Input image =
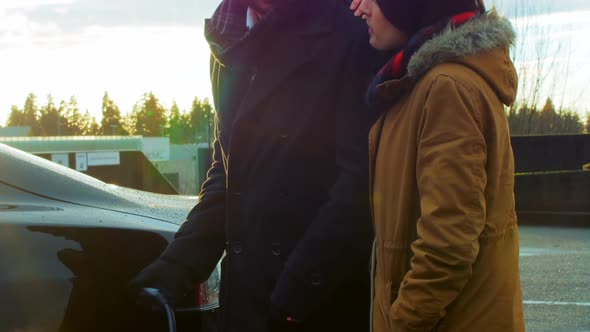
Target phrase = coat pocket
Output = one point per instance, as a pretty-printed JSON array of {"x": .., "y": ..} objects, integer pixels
[
  {"x": 393, "y": 262},
  {"x": 381, "y": 316}
]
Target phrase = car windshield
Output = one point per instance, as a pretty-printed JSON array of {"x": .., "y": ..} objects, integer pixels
[{"x": 112, "y": 100}]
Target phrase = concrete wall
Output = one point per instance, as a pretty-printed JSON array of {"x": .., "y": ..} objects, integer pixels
[
  {"x": 561, "y": 198},
  {"x": 551, "y": 153},
  {"x": 187, "y": 168},
  {"x": 550, "y": 186},
  {"x": 186, "y": 175}
]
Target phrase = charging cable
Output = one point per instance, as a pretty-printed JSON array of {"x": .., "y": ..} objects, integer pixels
[{"x": 157, "y": 298}]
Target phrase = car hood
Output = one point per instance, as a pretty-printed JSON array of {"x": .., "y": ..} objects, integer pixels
[{"x": 41, "y": 177}]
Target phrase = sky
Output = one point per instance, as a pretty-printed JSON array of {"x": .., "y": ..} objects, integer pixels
[{"x": 83, "y": 48}]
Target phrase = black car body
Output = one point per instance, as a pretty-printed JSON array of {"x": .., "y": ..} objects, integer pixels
[{"x": 69, "y": 245}]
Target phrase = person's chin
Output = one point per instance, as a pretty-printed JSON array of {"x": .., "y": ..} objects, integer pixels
[{"x": 375, "y": 44}]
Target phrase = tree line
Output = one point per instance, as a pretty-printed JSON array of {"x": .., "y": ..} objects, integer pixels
[
  {"x": 148, "y": 118},
  {"x": 526, "y": 120},
  {"x": 543, "y": 75}
]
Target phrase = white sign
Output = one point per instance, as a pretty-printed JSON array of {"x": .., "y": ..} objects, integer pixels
[
  {"x": 61, "y": 158},
  {"x": 104, "y": 158},
  {"x": 81, "y": 162}
]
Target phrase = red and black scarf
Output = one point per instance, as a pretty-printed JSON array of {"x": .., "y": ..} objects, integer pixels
[{"x": 397, "y": 67}]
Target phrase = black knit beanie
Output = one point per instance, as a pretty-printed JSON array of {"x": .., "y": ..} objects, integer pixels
[{"x": 412, "y": 15}]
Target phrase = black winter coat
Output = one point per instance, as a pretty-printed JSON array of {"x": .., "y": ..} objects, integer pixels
[{"x": 287, "y": 195}]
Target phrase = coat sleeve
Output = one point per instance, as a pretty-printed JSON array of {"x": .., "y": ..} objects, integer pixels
[
  {"x": 451, "y": 178},
  {"x": 199, "y": 243},
  {"x": 339, "y": 238}
]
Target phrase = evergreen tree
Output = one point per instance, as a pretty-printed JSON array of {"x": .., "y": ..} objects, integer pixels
[
  {"x": 521, "y": 120},
  {"x": 128, "y": 121},
  {"x": 90, "y": 125},
  {"x": 73, "y": 118},
  {"x": 111, "y": 123},
  {"x": 529, "y": 121},
  {"x": 202, "y": 120},
  {"x": 31, "y": 115},
  {"x": 16, "y": 117},
  {"x": 179, "y": 130},
  {"x": 570, "y": 123},
  {"x": 65, "y": 125},
  {"x": 50, "y": 120},
  {"x": 150, "y": 119},
  {"x": 547, "y": 121}
]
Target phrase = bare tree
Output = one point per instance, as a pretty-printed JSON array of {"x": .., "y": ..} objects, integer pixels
[{"x": 540, "y": 55}]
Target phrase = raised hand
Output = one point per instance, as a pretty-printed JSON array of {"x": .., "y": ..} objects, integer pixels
[{"x": 354, "y": 6}]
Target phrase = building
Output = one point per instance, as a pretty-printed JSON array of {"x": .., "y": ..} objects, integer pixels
[
  {"x": 145, "y": 163},
  {"x": 126, "y": 161},
  {"x": 15, "y": 131}
]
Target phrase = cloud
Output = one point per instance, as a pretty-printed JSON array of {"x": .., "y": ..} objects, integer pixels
[
  {"x": 58, "y": 23},
  {"x": 85, "y": 47},
  {"x": 18, "y": 31},
  {"x": 125, "y": 61},
  {"x": 75, "y": 15},
  {"x": 519, "y": 8},
  {"x": 29, "y": 4},
  {"x": 559, "y": 40}
]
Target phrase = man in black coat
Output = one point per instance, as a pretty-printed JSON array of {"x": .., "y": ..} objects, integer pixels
[{"x": 287, "y": 195}]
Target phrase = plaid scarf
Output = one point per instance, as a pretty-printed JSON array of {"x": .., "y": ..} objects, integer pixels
[
  {"x": 227, "y": 28},
  {"x": 227, "y": 25},
  {"x": 397, "y": 67}
]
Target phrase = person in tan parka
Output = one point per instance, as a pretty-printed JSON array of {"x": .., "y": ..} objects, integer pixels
[{"x": 442, "y": 168}]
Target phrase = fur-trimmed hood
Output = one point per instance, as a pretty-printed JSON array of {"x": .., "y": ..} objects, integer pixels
[
  {"x": 482, "y": 45},
  {"x": 479, "y": 35}
]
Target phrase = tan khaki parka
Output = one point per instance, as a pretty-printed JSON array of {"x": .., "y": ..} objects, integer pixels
[{"x": 442, "y": 174}]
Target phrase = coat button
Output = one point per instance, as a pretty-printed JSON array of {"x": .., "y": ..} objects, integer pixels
[
  {"x": 236, "y": 247},
  {"x": 276, "y": 249},
  {"x": 315, "y": 280}
]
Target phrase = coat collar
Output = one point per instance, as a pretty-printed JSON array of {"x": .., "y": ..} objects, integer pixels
[
  {"x": 290, "y": 41},
  {"x": 289, "y": 17}
]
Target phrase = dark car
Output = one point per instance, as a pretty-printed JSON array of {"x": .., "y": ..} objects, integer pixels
[{"x": 70, "y": 244}]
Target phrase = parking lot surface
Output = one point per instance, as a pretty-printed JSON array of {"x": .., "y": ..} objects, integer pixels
[{"x": 555, "y": 272}]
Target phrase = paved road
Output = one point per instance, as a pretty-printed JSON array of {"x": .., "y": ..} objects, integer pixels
[{"x": 555, "y": 272}]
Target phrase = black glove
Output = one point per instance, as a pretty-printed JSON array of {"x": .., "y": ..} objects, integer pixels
[
  {"x": 173, "y": 281},
  {"x": 278, "y": 321},
  {"x": 283, "y": 326}
]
